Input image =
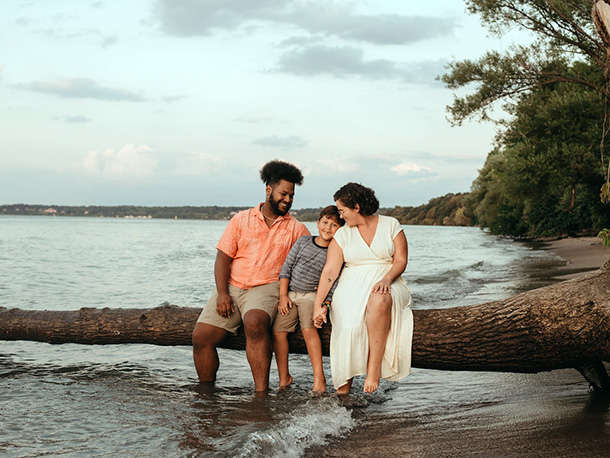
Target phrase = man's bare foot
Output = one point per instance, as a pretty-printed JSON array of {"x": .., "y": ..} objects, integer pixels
[
  {"x": 285, "y": 383},
  {"x": 371, "y": 383},
  {"x": 319, "y": 385}
]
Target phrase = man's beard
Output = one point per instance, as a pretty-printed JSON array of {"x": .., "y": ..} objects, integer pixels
[{"x": 275, "y": 206}]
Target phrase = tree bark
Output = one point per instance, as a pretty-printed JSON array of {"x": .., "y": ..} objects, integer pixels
[{"x": 559, "y": 326}]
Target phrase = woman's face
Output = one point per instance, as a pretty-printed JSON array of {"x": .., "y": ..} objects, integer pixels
[{"x": 349, "y": 215}]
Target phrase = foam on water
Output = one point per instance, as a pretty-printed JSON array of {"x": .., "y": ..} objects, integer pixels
[{"x": 315, "y": 423}]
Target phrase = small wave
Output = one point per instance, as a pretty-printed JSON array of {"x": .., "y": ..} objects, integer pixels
[{"x": 314, "y": 424}]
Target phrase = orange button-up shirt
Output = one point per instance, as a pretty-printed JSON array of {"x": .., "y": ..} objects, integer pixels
[{"x": 258, "y": 251}]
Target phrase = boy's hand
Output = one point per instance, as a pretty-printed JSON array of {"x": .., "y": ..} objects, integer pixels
[
  {"x": 284, "y": 305},
  {"x": 319, "y": 316}
]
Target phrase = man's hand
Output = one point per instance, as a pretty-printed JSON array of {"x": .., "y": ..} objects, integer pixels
[
  {"x": 224, "y": 305},
  {"x": 319, "y": 316},
  {"x": 284, "y": 306}
]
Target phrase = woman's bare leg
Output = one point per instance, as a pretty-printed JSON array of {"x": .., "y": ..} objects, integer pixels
[
  {"x": 314, "y": 348},
  {"x": 280, "y": 347},
  {"x": 345, "y": 389},
  {"x": 378, "y": 323}
]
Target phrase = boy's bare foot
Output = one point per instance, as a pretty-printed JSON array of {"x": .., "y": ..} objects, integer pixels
[
  {"x": 285, "y": 383},
  {"x": 319, "y": 385},
  {"x": 371, "y": 383}
]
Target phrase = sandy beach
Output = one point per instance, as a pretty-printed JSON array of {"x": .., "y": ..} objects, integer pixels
[{"x": 582, "y": 254}]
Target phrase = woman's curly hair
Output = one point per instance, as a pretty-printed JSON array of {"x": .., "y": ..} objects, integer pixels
[
  {"x": 354, "y": 193},
  {"x": 275, "y": 171}
]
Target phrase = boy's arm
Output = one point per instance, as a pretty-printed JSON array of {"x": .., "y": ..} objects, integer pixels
[
  {"x": 285, "y": 302},
  {"x": 334, "y": 262},
  {"x": 285, "y": 275},
  {"x": 290, "y": 260}
]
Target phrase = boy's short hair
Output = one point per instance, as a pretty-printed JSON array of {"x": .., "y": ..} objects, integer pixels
[
  {"x": 332, "y": 212},
  {"x": 275, "y": 171}
]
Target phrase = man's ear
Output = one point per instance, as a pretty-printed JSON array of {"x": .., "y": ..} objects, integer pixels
[
  {"x": 357, "y": 208},
  {"x": 268, "y": 190}
]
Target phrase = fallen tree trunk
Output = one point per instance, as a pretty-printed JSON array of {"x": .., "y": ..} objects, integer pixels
[{"x": 559, "y": 326}]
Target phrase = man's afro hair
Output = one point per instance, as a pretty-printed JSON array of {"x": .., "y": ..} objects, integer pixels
[{"x": 275, "y": 171}]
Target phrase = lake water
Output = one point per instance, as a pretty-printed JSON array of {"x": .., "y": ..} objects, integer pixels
[{"x": 143, "y": 400}]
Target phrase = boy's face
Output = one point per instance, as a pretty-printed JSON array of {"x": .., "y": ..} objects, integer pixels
[{"x": 327, "y": 228}]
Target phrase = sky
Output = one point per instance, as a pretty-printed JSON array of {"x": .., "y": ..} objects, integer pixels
[{"x": 181, "y": 102}]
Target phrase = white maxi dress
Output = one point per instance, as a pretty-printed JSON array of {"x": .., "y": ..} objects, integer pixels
[{"x": 364, "y": 266}]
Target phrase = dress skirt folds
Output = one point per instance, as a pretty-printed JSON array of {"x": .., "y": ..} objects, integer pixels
[{"x": 364, "y": 266}]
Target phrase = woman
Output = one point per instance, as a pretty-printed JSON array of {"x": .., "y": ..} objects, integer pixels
[{"x": 372, "y": 322}]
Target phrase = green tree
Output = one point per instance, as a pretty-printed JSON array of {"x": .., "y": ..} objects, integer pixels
[
  {"x": 546, "y": 167},
  {"x": 562, "y": 32},
  {"x": 554, "y": 92}
]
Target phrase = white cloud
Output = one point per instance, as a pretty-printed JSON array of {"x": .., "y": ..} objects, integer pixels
[
  {"x": 341, "y": 61},
  {"x": 333, "y": 165},
  {"x": 81, "y": 88},
  {"x": 406, "y": 168},
  {"x": 194, "y": 17},
  {"x": 275, "y": 141},
  {"x": 73, "y": 119},
  {"x": 203, "y": 164},
  {"x": 130, "y": 162}
]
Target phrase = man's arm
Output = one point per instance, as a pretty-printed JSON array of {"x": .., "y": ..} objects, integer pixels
[{"x": 222, "y": 269}]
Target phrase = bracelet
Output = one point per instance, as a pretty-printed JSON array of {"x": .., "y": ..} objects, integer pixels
[{"x": 326, "y": 304}]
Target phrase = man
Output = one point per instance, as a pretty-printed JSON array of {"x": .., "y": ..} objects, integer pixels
[{"x": 250, "y": 255}]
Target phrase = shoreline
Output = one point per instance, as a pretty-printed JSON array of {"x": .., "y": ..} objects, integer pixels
[{"x": 581, "y": 254}]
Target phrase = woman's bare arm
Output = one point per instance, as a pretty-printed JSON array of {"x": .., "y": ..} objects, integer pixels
[{"x": 399, "y": 264}]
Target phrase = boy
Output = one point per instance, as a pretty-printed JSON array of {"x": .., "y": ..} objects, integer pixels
[{"x": 299, "y": 279}]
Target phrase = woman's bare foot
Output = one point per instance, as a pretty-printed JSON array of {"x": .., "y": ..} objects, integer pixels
[
  {"x": 285, "y": 383},
  {"x": 319, "y": 385},
  {"x": 345, "y": 389},
  {"x": 371, "y": 383}
]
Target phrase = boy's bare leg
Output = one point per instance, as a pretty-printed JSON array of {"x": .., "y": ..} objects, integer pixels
[
  {"x": 314, "y": 348},
  {"x": 206, "y": 338},
  {"x": 378, "y": 327},
  {"x": 258, "y": 347},
  {"x": 281, "y": 349}
]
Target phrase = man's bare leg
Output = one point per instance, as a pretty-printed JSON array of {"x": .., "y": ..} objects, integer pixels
[
  {"x": 314, "y": 348},
  {"x": 258, "y": 347},
  {"x": 281, "y": 350},
  {"x": 206, "y": 338},
  {"x": 378, "y": 322}
]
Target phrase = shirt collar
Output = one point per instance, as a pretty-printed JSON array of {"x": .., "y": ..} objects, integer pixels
[{"x": 259, "y": 214}]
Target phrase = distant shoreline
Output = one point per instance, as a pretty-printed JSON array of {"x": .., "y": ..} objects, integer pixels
[{"x": 212, "y": 212}]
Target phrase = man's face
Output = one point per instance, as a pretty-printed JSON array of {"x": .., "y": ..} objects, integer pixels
[{"x": 280, "y": 197}]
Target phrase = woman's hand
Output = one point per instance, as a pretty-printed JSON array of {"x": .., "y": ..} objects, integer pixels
[
  {"x": 319, "y": 316},
  {"x": 284, "y": 306},
  {"x": 383, "y": 286}
]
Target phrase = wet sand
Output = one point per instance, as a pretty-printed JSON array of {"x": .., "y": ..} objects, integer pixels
[{"x": 581, "y": 254}]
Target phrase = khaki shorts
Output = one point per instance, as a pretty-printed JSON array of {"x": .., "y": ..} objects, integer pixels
[
  {"x": 301, "y": 311},
  {"x": 263, "y": 297}
]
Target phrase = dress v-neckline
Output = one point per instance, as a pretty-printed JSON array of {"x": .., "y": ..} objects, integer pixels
[{"x": 374, "y": 235}]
